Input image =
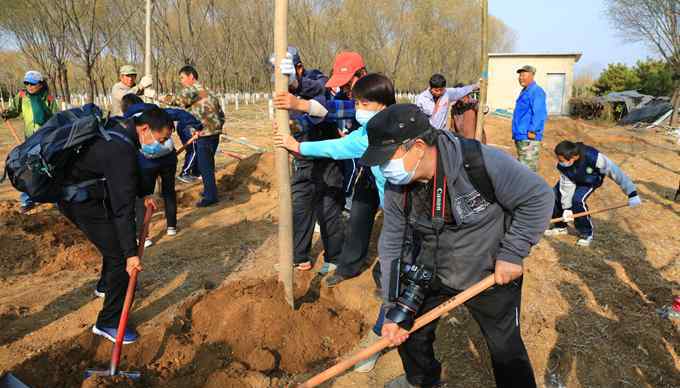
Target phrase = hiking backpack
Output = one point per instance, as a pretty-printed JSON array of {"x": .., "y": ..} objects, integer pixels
[{"x": 39, "y": 165}]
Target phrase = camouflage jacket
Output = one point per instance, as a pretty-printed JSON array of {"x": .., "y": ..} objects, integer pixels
[{"x": 203, "y": 104}]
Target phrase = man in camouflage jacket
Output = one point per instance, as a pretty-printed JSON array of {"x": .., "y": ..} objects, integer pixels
[{"x": 205, "y": 106}]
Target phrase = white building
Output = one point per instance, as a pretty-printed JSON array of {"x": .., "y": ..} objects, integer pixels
[{"x": 554, "y": 73}]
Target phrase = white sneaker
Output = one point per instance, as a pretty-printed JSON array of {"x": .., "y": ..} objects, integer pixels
[
  {"x": 555, "y": 231},
  {"x": 585, "y": 241},
  {"x": 368, "y": 364},
  {"x": 171, "y": 231},
  {"x": 148, "y": 243}
]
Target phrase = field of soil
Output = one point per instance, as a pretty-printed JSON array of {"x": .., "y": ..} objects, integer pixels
[{"x": 211, "y": 314}]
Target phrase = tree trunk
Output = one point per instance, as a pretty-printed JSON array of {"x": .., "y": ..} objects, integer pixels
[
  {"x": 64, "y": 80},
  {"x": 675, "y": 117},
  {"x": 92, "y": 86}
]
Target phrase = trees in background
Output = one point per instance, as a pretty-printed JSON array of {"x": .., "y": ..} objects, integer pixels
[
  {"x": 80, "y": 44},
  {"x": 657, "y": 24},
  {"x": 653, "y": 77}
]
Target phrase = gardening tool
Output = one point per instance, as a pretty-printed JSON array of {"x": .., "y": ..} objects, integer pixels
[
  {"x": 10, "y": 381},
  {"x": 233, "y": 155},
  {"x": 430, "y": 316},
  {"x": 591, "y": 212},
  {"x": 129, "y": 296},
  {"x": 184, "y": 146},
  {"x": 13, "y": 130},
  {"x": 245, "y": 142}
]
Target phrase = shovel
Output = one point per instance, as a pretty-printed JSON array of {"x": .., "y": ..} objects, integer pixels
[
  {"x": 430, "y": 316},
  {"x": 129, "y": 296},
  {"x": 588, "y": 213}
]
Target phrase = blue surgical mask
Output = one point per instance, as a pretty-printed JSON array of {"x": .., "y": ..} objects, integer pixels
[
  {"x": 566, "y": 164},
  {"x": 364, "y": 116},
  {"x": 152, "y": 149},
  {"x": 395, "y": 172}
]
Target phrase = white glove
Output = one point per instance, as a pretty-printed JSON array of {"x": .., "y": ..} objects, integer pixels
[
  {"x": 287, "y": 68},
  {"x": 150, "y": 93},
  {"x": 567, "y": 216},
  {"x": 146, "y": 81},
  {"x": 634, "y": 201}
]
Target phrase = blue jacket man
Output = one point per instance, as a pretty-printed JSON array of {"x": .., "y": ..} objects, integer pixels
[{"x": 528, "y": 119}]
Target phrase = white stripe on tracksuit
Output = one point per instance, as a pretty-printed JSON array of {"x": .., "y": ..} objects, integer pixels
[{"x": 191, "y": 161}]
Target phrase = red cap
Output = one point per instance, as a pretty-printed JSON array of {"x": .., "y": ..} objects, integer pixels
[{"x": 346, "y": 64}]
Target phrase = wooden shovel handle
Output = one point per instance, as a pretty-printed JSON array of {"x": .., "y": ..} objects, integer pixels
[{"x": 591, "y": 212}]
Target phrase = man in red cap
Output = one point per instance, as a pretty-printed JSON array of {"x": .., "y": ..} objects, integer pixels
[{"x": 347, "y": 69}]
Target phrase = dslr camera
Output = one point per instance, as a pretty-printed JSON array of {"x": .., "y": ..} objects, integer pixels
[{"x": 416, "y": 280}]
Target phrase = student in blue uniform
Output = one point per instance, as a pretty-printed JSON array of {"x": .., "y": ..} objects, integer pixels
[{"x": 582, "y": 171}]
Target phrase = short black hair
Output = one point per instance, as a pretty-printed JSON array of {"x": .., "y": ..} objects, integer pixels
[
  {"x": 437, "y": 81},
  {"x": 189, "y": 70},
  {"x": 459, "y": 85},
  {"x": 156, "y": 118},
  {"x": 375, "y": 87},
  {"x": 567, "y": 149},
  {"x": 128, "y": 100}
]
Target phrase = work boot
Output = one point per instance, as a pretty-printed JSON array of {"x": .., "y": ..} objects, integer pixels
[
  {"x": 368, "y": 364},
  {"x": 556, "y": 231},
  {"x": 401, "y": 382},
  {"x": 334, "y": 280},
  {"x": 110, "y": 334}
]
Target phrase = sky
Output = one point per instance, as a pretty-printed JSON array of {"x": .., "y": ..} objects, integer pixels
[{"x": 571, "y": 26}]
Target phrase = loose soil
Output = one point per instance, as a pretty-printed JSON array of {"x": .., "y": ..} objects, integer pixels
[{"x": 211, "y": 314}]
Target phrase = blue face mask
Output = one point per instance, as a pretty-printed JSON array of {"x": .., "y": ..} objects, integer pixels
[
  {"x": 364, "y": 116},
  {"x": 395, "y": 172},
  {"x": 152, "y": 148},
  {"x": 566, "y": 164}
]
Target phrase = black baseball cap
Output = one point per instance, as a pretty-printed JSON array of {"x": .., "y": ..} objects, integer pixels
[{"x": 390, "y": 128}]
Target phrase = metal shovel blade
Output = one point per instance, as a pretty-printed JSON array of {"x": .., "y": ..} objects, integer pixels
[
  {"x": 96, "y": 372},
  {"x": 10, "y": 381}
]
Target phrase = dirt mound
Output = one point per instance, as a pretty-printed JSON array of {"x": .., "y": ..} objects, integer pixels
[
  {"x": 240, "y": 335},
  {"x": 42, "y": 241},
  {"x": 251, "y": 175}
]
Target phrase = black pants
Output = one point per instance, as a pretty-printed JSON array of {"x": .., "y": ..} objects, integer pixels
[
  {"x": 148, "y": 182},
  {"x": 318, "y": 195},
  {"x": 92, "y": 219},
  {"x": 206, "y": 147},
  {"x": 497, "y": 313},
  {"x": 365, "y": 203}
]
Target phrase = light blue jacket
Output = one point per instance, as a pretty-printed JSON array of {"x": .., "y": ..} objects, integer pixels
[
  {"x": 530, "y": 113},
  {"x": 351, "y": 146}
]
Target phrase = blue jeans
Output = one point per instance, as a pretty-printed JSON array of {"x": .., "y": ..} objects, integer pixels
[
  {"x": 206, "y": 147},
  {"x": 25, "y": 199}
]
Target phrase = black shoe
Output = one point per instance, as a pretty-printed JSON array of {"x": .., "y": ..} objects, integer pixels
[
  {"x": 27, "y": 207},
  {"x": 334, "y": 280},
  {"x": 204, "y": 203}
]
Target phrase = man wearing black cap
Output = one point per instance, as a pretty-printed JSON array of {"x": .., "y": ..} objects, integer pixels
[{"x": 455, "y": 212}]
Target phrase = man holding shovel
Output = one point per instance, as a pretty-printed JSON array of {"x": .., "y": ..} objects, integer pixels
[{"x": 455, "y": 212}]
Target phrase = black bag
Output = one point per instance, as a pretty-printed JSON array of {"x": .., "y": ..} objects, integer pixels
[{"x": 38, "y": 166}]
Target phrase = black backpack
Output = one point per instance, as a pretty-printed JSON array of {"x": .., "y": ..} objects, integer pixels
[
  {"x": 473, "y": 162},
  {"x": 39, "y": 165}
]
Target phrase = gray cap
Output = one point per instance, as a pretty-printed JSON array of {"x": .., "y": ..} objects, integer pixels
[
  {"x": 528, "y": 68},
  {"x": 127, "y": 70}
]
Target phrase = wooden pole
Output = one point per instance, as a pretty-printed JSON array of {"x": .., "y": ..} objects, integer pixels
[
  {"x": 430, "y": 316},
  {"x": 147, "y": 48},
  {"x": 484, "y": 64},
  {"x": 13, "y": 130},
  {"x": 282, "y": 169}
]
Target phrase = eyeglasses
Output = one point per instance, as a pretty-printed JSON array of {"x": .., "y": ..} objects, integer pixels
[{"x": 31, "y": 83}]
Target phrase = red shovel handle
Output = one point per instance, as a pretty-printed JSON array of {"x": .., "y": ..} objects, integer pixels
[{"x": 129, "y": 297}]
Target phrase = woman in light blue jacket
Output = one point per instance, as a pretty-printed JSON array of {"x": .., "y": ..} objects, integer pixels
[{"x": 372, "y": 94}]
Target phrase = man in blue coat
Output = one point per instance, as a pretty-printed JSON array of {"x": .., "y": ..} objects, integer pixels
[{"x": 529, "y": 117}]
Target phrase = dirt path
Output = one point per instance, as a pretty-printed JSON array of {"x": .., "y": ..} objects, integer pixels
[{"x": 588, "y": 315}]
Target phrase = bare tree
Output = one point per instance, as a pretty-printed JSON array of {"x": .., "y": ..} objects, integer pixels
[{"x": 657, "y": 24}]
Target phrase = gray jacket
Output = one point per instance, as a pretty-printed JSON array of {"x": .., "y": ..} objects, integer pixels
[{"x": 483, "y": 232}]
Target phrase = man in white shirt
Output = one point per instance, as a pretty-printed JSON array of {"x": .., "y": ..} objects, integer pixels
[{"x": 436, "y": 101}]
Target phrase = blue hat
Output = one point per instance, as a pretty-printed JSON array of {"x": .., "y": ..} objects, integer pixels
[{"x": 33, "y": 77}]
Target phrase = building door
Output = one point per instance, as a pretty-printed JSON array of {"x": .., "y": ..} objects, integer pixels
[{"x": 555, "y": 93}]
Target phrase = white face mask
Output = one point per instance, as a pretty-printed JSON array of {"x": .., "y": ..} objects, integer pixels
[
  {"x": 364, "y": 116},
  {"x": 395, "y": 172}
]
